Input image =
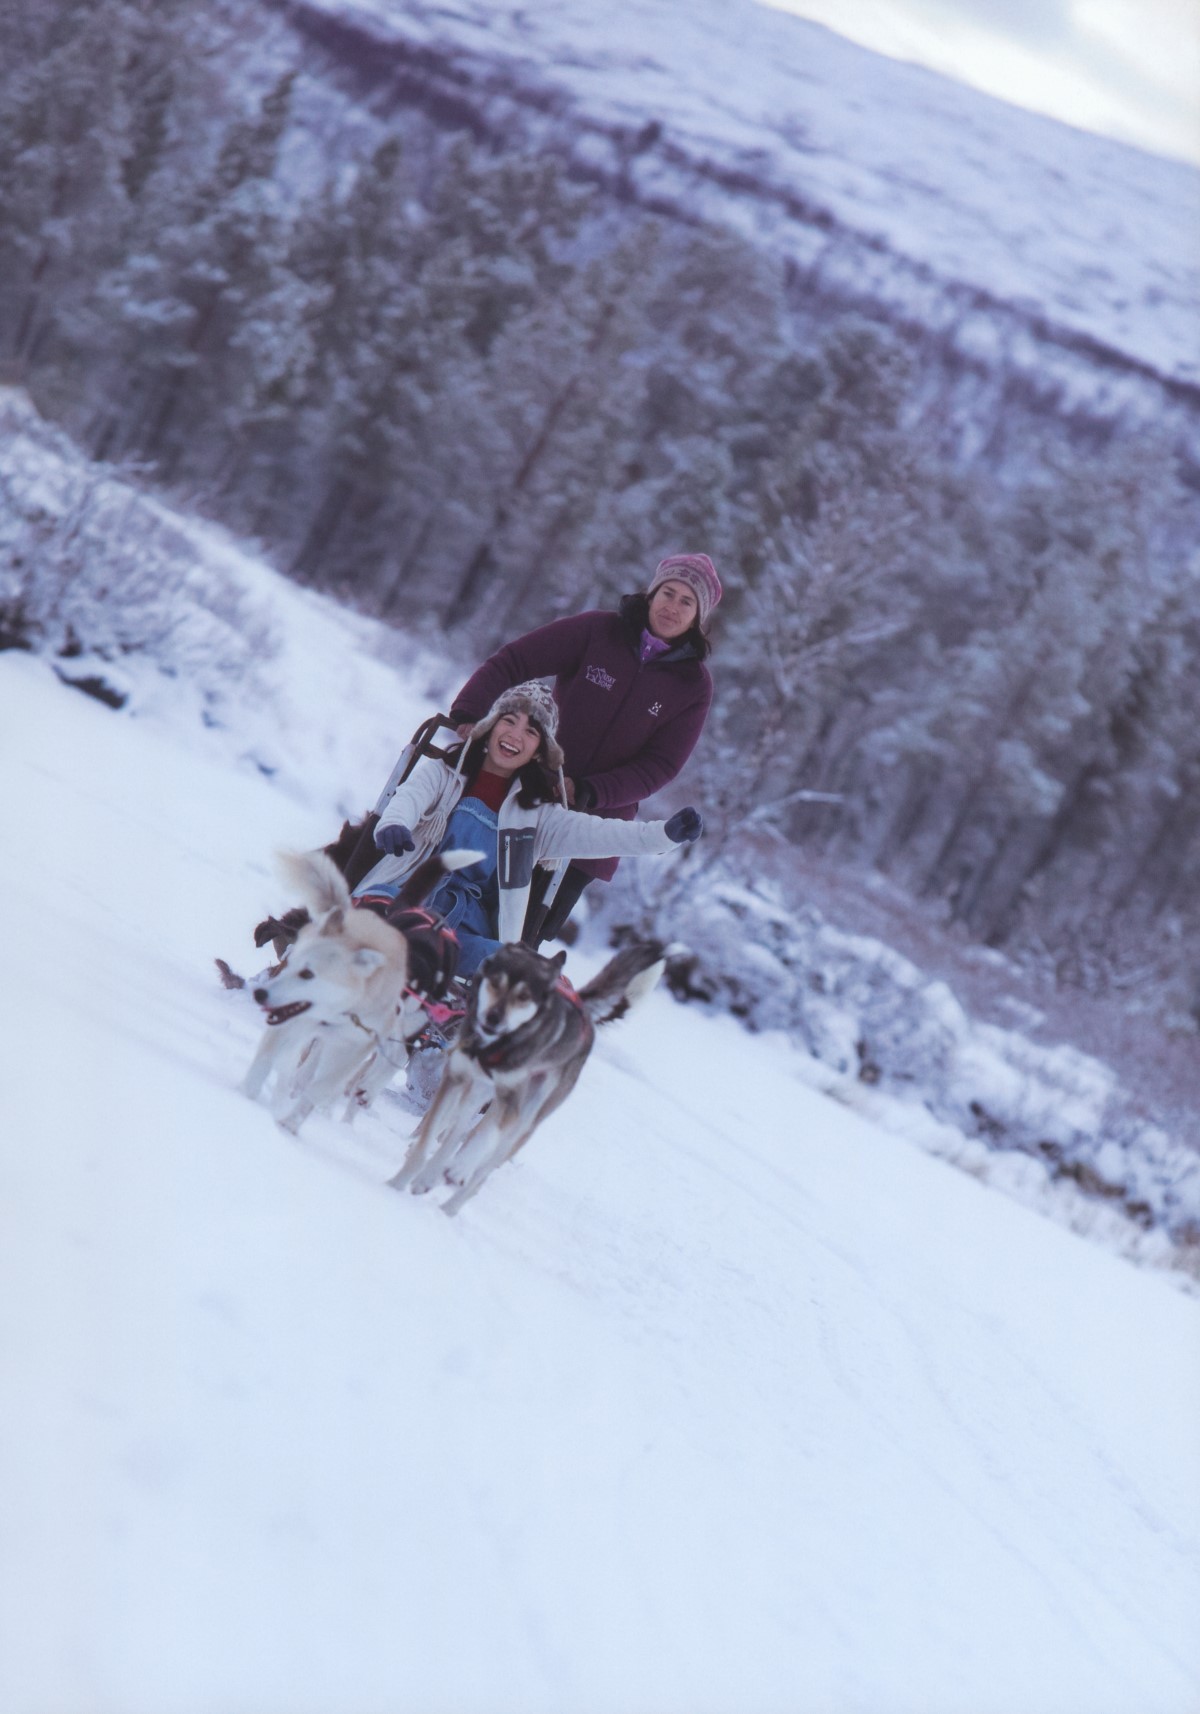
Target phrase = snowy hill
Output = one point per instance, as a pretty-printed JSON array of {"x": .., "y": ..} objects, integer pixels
[
  {"x": 156, "y": 613},
  {"x": 721, "y": 1398},
  {"x": 1023, "y": 244}
]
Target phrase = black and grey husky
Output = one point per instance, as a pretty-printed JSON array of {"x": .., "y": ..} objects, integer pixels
[{"x": 524, "y": 1041}]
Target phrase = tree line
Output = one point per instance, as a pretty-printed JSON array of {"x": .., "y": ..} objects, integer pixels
[{"x": 466, "y": 393}]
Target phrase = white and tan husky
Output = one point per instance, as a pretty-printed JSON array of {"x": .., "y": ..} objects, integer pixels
[{"x": 339, "y": 1022}]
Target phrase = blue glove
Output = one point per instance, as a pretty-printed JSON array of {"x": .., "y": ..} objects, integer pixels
[
  {"x": 395, "y": 839},
  {"x": 684, "y": 826}
]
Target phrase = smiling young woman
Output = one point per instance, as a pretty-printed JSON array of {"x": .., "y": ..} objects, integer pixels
[{"x": 512, "y": 742}]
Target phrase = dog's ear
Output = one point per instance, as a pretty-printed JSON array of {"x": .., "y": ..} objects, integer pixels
[
  {"x": 559, "y": 959},
  {"x": 366, "y": 958},
  {"x": 334, "y": 922}
]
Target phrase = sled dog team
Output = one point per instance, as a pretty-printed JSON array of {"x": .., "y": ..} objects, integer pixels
[{"x": 496, "y": 839}]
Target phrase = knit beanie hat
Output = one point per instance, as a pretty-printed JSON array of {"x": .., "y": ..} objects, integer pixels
[
  {"x": 700, "y": 575},
  {"x": 535, "y": 701}
]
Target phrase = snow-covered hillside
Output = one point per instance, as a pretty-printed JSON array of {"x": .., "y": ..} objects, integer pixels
[
  {"x": 155, "y": 613},
  {"x": 721, "y": 1398},
  {"x": 1061, "y": 253}
]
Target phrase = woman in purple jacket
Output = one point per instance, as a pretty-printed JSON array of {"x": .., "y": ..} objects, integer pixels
[{"x": 633, "y": 694}]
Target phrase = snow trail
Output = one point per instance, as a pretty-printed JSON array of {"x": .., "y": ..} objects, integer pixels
[{"x": 718, "y": 1399}]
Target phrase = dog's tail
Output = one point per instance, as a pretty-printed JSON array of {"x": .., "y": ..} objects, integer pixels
[
  {"x": 321, "y": 883},
  {"x": 624, "y": 980},
  {"x": 428, "y": 873}
]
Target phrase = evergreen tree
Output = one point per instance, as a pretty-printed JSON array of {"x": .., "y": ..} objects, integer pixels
[
  {"x": 64, "y": 122},
  {"x": 210, "y": 254}
]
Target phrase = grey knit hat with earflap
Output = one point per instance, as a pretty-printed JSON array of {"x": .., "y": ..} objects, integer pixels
[{"x": 535, "y": 701}]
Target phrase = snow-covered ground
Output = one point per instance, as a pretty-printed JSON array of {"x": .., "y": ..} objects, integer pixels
[
  {"x": 803, "y": 140},
  {"x": 1048, "y": 1123},
  {"x": 720, "y": 1398}
]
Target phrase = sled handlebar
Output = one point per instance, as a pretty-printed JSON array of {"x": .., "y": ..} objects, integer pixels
[{"x": 420, "y": 744}]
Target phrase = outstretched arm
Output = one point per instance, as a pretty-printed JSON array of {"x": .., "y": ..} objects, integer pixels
[{"x": 567, "y": 833}]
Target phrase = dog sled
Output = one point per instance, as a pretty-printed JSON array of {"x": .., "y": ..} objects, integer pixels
[
  {"x": 354, "y": 850},
  {"x": 355, "y": 853},
  {"x": 349, "y": 1003},
  {"x": 433, "y": 951},
  {"x": 423, "y": 743}
]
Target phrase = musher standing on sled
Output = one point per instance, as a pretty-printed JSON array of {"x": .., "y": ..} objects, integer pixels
[{"x": 633, "y": 694}]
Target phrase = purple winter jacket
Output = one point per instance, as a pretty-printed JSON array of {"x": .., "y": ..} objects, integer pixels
[{"x": 626, "y": 726}]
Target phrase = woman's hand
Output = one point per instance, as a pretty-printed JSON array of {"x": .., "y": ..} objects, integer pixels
[
  {"x": 684, "y": 826},
  {"x": 394, "y": 839}
]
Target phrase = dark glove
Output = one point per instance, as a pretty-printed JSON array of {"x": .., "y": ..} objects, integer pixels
[
  {"x": 684, "y": 826},
  {"x": 585, "y": 794},
  {"x": 395, "y": 839}
]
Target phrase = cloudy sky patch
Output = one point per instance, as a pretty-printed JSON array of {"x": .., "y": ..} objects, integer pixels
[{"x": 1125, "y": 68}]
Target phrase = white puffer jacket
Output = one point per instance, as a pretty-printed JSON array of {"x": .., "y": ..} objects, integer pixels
[{"x": 544, "y": 834}]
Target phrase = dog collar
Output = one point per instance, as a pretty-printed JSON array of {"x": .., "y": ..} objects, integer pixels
[{"x": 492, "y": 1053}]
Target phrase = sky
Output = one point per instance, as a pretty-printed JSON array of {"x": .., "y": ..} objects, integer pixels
[{"x": 1128, "y": 69}]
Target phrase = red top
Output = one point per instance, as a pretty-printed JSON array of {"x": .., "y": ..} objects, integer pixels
[{"x": 491, "y": 789}]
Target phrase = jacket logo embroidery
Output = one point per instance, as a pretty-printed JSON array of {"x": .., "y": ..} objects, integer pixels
[
  {"x": 654, "y": 708},
  {"x": 597, "y": 675}
]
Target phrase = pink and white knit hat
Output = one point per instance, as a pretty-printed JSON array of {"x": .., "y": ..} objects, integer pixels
[{"x": 698, "y": 572}]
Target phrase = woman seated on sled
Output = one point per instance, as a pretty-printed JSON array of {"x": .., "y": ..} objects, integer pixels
[{"x": 496, "y": 794}]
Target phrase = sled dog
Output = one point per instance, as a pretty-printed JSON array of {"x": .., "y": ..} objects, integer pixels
[
  {"x": 524, "y": 1041},
  {"x": 340, "y": 1020}
]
